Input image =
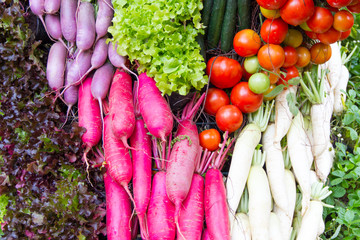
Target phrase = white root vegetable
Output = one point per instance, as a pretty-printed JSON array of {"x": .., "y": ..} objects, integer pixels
[
  {"x": 324, "y": 163},
  {"x": 275, "y": 228},
  {"x": 275, "y": 167},
  {"x": 339, "y": 96},
  {"x": 334, "y": 65},
  {"x": 241, "y": 227},
  {"x": 259, "y": 198},
  {"x": 283, "y": 115},
  {"x": 297, "y": 151},
  {"x": 313, "y": 177}
]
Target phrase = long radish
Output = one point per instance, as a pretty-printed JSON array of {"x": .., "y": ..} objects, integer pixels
[
  {"x": 68, "y": 19},
  {"x": 52, "y": 6},
  {"x": 104, "y": 17},
  {"x": 55, "y": 69},
  {"x": 275, "y": 228},
  {"x": 324, "y": 163},
  {"x": 339, "y": 91},
  {"x": 70, "y": 98},
  {"x": 334, "y": 65},
  {"x": 241, "y": 226},
  {"x": 118, "y": 60},
  {"x": 85, "y": 26},
  {"x": 54, "y": 27}
]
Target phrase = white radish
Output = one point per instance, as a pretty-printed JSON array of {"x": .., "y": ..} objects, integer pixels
[
  {"x": 259, "y": 198},
  {"x": 241, "y": 227},
  {"x": 296, "y": 140},
  {"x": 324, "y": 163},
  {"x": 339, "y": 91},
  {"x": 275, "y": 167},
  {"x": 275, "y": 228},
  {"x": 334, "y": 65},
  {"x": 313, "y": 177},
  {"x": 283, "y": 115}
]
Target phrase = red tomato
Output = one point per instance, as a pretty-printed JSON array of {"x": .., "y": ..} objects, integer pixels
[
  {"x": 210, "y": 139},
  {"x": 353, "y": 2},
  {"x": 271, "y": 4},
  {"x": 229, "y": 118},
  {"x": 242, "y": 97},
  {"x": 354, "y": 8},
  {"x": 291, "y": 56},
  {"x": 225, "y": 72},
  {"x": 295, "y": 12},
  {"x": 320, "y": 53},
  {"x": 338, "y": 3},
  {"x": 343, "y": 21},
  {"x": 344, "y": 35},
  {"x": 321, "y": 20},
  {"x": 304, "y": 57},
  {"x": 246, "y": 43},
  {"x": 311, "y": 35},
  {"x": 215, "y": 99},
  {"x": 330, "y": 36},
  {"x": 274, "y": 31},
  {"x": 291, "y": 72},
  {"x": 271, "y": 56}
]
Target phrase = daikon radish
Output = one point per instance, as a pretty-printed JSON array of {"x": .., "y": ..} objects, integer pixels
[
  {"x": 275, "y": 228},
  {"x": 244, "y": 148},
  {"x": 241, "y": 226},
  {"x": 339, "y": 91},
  {"x": 297, "y": 151},
  {"x": 259, "y": 198},
  {"x": 334, "y": 65},
  {"x": 324, "y": 163}
]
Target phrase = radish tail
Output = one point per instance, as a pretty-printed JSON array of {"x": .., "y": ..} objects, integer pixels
[
  {"x": 108, "y": 5},
  {"x": 46, "y": 30},
  {"x": 67, "y": 115},
  {"x": 78, "y": 81},
  {"x": 128, "y": 70},
  {"x": 143, "y": 227},
  {"x": 88, "y": 148},
  {"x": 126, "y": 187},
  {"x": 62, "y": 41}
]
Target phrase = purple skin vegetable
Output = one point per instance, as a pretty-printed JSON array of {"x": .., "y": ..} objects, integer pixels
[
  {"x": 52, "y": 6},
  {"x": 85, "y": 25},
  {"x": 68, "y": 19},
  {"x": 55, "y": 68},
  {"x": 54, "y": 27},
  {"x": 118, "y": 60},
  {"x": 104, "y": 17}
]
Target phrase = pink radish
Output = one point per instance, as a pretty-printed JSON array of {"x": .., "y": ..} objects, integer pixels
[
  {"x": 85, "y": 26},
  {"x": 71, "y": 94},
  {"x": 104, "y": 17},
  {"x": 122, "y": 106},
  {"x": 68, "y": 19},
  {"x": 52, "y": 6},
  {"x": 205, "y": 235},
  {"x": 118, "y": 210},
  {"x": 116, "y": 59},
  {"x": 154, "y": 108},
  {"x": 38, "y": 8},
  {"x": 55, "y": 68},
  {"x": 117, "y": 157},
  {"x": 54, "y": 28}
]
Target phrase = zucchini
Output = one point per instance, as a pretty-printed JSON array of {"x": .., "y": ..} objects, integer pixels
[
  {"x": 244, "y": 12},
  {"x": 216, "y": 20},
  {"x": 228, "y": 26},
  {"x": 205, "y": 15}
]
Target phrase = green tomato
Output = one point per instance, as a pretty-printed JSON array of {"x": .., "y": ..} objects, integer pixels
[
  {"x": 259, "y": 83},
  {"x": 251, "y": 64}
]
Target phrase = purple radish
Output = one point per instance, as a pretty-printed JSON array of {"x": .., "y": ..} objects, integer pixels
[
  {"x": 68, "y": 19},
  {"x": 118, "y": 60},
  {"x": 52, "y": 6},
  {"x": 54, "y": 27},
  {"x": 38, "y": 8},
  {"x": 55, "y": 68},
  {"x": 71, "y": 94},
  {"x": 154, "y": 108},
  {"x": 85, "y": 33},
  {"x": 104, "y": 17}
]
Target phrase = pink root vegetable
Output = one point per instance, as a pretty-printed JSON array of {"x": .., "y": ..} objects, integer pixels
[
  {"x": 118, "y": 210},
  {"x": 68, "y": 19},
  {"x": 118, "y": 60},
  {"x": 205, "y": 235},
  {"x": 122, "y": 106},
  {"x": 52, "y": 6},
  {"x": 54, "y": 27},
  {"x": 55, "y": 69},
  {"x": 140, "y": 143},
  {"x": 85, "y": 26},
  {"x": 161, "y": 211},
  {"x": 154, "y": 108},
  {"x": 104, "y": 17}
]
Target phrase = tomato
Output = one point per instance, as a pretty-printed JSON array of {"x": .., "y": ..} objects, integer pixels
[
  {"x": 251, "y": 64},
  {"x": 293, "y": 38},
  {"x": 273, "y": 75},
  {"x": 305, "y": 27},
  {"x": 271, "y": 14},
  {"x": 295, "y": 12},
  {"x": 343, "y": 21},
  {"x": 320, "y": 53},
  {"x": 272, "y": 86},
  {"x": 210, "y": 139},
  {"x": 271, "y": 56},
  {"x": 354, "y": 8},
  {"x": 321, "y": 20},
  {"x": 215, "y": 99},
  {"x": 246, "y": 100},
  {"x": 330, "y": 36},
  {"x": 338, "y": 3},
  {"x": 274, "y": 30},
  {"x": 246, "y": 43},
  {"x": 225, "y": 72},
  {"x": 246, "y": 75},
  {"x": 271, "y": 4},
  {"x": 291, "y": 56},
  {"x": 229, "y": 118},
  {"x": 304, "y": 57},
  {"x": 353, "y": 2},
  {"x": 291, "y": 72},
  {"x": 311, "y": 35},
  {"x": 344, "y": 35},
  {"x": 259, "y": 83}
]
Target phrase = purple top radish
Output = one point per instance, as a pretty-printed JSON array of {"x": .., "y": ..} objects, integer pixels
[
  {"x": 68, "y": 19},
  {"x": 101, "y": 81},
  {"x": 55, "y": 69},
  {"x": 79, "y": 67},
  {"x": 53, "y": 25},
  {"x": 104, "y": 17},
  {"x": 116, "y": 59},
  {"x": 71, "y": 94},
  {"x": 37, "y": 7},
  {"x": 52, "y": 6},
  {"x": 154, "y": 108},
  {"x": 85, "y": 34}
]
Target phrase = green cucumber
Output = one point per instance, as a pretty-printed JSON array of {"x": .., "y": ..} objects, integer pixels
[
  {"x": 216, "y": 20},
  {"x": 228, "y": 26},
  {"x": 200, "y": 40},
  {"x": 244, "y": 12},
  {"x": 205, "y": 14}
]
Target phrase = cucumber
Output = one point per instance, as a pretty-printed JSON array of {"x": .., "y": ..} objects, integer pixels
[
  {"x": 205, "y": 15},
  {"x": 200, "y": 40},
  {"x": 228, "y": 26},
  {"x": 216, "y": 20},
  {"x": 244, "y": 12}
]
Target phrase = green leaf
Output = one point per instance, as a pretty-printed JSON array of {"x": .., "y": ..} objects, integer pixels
[
  {"x": 278, "y": 89},
  {"x": 349, "y": 216},
  {"x": 338, "y": 173},
  {"x": 336, "y": 181},
  {"x": 294, "y": 81},
  {"x": 353, "y": 134},
  {"x": 341, "y": 147},
  {"x": 291, "y": 99},
  {"x": 338, "y": 192}
]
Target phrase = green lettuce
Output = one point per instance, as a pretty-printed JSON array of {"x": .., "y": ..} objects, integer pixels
[{"x": 160, "y": 36}]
